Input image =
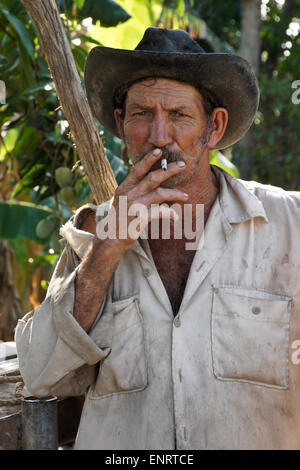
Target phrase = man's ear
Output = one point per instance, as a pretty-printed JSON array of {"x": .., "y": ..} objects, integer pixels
[
  {"x": 117, "y": 115},
  {"x": 219, "y": 120}
]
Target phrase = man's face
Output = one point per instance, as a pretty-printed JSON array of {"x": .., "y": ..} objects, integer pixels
[{"x": 163, "y": 113}]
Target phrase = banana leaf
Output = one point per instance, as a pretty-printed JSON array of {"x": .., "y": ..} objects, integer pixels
[
  {"x": 19, "y": 219},
  {"x": 108, "y": 12}
]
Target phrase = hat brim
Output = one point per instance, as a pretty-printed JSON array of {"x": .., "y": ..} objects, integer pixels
[{"x": 229, "y": 77}]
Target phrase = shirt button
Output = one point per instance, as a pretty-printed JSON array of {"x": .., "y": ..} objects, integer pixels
[
  {"x": 177, "y": 322},
  {"x": 147, "y": 272},
  {"x": 256, "y": 310}
]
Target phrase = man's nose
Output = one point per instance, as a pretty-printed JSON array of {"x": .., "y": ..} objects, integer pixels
[{"x": 161, "y": 131}]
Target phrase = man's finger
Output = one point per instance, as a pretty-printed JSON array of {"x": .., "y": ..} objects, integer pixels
[
  {"x": 154, "y": 178},
  {"x": 160, "y": 195},
  {"x": 142, "y": 167}
]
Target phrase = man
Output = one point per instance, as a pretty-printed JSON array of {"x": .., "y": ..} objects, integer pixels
[{"x": 176, "y": 348}]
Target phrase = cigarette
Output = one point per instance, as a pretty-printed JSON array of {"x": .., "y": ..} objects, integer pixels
[{"x": 164, "y": 163}]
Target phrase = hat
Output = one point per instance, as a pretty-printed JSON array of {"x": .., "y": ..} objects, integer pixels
[{"x": 173, "y": 54}]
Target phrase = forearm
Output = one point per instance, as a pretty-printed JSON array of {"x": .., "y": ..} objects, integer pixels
[
  {"x": 93, "y": 278},
  {"x": 51, "y": 344}
]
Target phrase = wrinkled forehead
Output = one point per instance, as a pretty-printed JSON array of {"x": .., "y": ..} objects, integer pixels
[
  {"x": 162, "y": 90},
  {"x": 151, "y": 85},
  {"x": 151, "y": 82}
]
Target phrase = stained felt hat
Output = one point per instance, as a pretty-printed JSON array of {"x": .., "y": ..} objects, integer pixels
[{"x": 228, "y": 78}]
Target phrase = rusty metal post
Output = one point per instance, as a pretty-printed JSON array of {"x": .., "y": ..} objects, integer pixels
[{"x": 39, "y": 423}]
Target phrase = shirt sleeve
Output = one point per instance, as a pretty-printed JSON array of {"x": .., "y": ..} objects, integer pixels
[{"x": 56, "y": 356}]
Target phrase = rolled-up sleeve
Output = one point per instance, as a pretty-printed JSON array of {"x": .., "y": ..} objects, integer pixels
[{"x": 56, "y": 356}]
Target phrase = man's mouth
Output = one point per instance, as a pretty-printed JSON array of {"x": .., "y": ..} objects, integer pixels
[{"x": 167, "y": 154}]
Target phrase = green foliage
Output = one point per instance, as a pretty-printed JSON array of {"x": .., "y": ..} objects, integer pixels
[
  {"x": 276, "y": 34},
  {"x": 144, "y": 13},
  {"x": 275, "y": 154},
  {"x": 274, "y": 146},
  {"x": 19, "y": 219},
  {"x": 108, "y": 12},
  {"x": 275, "y": 151},
  {"x": 223, "y": 18}
]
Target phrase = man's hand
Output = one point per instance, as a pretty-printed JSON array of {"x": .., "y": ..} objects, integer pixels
[{"x": 142, "y": 187}]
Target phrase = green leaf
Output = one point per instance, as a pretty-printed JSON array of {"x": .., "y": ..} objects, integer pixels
[
  {"x": 14, "y": 65},
  {"x": 3, "y": 62},
  {"x": 126, "y": 35},
  {"x": 27, "y": 71},
  {"x": 19, "y": 28},
  {"x": 10, "y": 140},
  {"x": 80, "y": 55},
  {"x": 180, "y": 8},
  {"x": 32, "y": 178},
  {"x": 107, "y": 11},
  {"x": 79, "y": 3},
  {"x": 19, "y": 247},
  {"x": 83, "y": 191},
  {"x": 177, "y": 5},
  {"x": 36, "y": 88},
  {"x": 66, "y": 6},
  {"x": 16, "y": 8},
  {"x": 117, "y": 165},
  {"x": 85, "y": 38},
  {"x": 45, "y": 258},
  {"x": 19, "y": 219},
  {"x": 218, "y": 159}
]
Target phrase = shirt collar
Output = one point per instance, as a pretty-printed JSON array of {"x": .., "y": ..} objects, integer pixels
[{"x": 237, "y": 202}]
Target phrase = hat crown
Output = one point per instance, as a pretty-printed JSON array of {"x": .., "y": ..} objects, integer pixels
[{"x": 166, "y": 40}]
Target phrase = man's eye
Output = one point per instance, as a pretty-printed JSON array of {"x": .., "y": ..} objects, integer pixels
[
  {"x": 178, "y": 114},
  {"x": 140, "y": 113}
]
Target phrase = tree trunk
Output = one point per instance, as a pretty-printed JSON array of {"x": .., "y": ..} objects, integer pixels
[
  {"x": 250, "y": 48},
  {"x": 250, "y": 32},
  {"x": 55, "y": 44}
]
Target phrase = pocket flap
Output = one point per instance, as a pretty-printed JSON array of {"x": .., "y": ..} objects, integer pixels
[{"x": 252, "y": 304}]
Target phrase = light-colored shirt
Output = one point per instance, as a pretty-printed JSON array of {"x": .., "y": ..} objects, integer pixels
[{"x": 223, "y": 374}]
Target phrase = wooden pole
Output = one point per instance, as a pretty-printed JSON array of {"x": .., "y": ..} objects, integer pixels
[{"x": 55, "y": 44}]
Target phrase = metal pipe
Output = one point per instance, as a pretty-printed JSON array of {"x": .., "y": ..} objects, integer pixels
[{"x": 39, "y": 423}]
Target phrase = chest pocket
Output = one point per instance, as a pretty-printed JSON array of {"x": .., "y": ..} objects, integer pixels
[
  {"x": 250, "y": 336},
  {"x": 124, "y": 369}
]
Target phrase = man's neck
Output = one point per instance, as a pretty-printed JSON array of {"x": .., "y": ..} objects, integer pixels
[{"x": 202, "y": 190}]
